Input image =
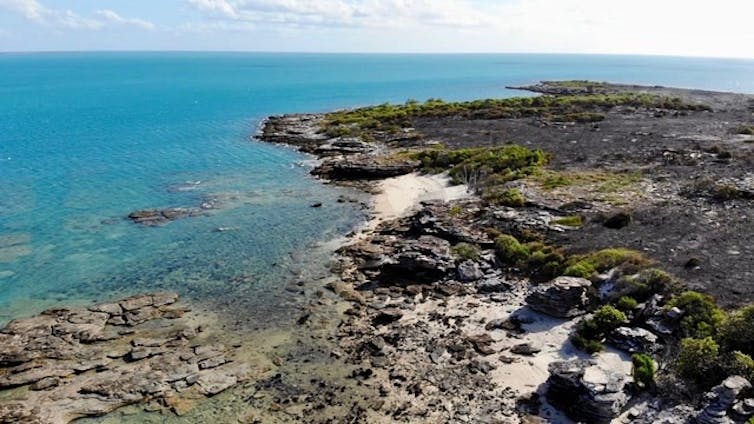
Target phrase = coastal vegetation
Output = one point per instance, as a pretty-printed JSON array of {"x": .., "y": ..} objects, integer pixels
[
  {"x": 582, "y": 108},
  {"x": 598, "y": 181},
  {"x": 467, "y": 252},
  {"x": 570, "y": 221},
  {"x": 746, "y": 130},
  {"x": 643, "y": 370},
  {"x": 586, "y": 266},
  {"x": 591, "y": 331}
]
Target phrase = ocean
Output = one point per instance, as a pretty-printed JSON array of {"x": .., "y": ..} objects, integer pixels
[{"x": 87, "y": 138}]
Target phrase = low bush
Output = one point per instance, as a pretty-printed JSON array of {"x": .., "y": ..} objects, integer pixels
[
  {"x": 587, "y": 265},
  {"x": 737, "y": 363},
  {"x": 591, "y": 331},
  {"x": 746, "y": 130},
  {"x": 626, "y": 303},
  {"x": 643, "y": 285},
  {"x": 701, "y": 316},
  {"x": 643, "y": 370},
  {"x": 737, "y": 331},
  {"x": 511, "y": 197},
  {"x": 510, "y": 250},
  {"x": 697, "y": 361},
  {"x": 466, "y": 251},
  {"x": 569, "y": 221}
]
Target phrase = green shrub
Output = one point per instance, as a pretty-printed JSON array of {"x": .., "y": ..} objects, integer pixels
[
  {"x": 504, "y": 163},
  {"x": 737, "y": 331},
  {"x": 587, "y": 265},
  {"x": 737, "y": 363},
  {"x": 643, "y": 370},
  {"x": 510, "y": 250},
  {"x": 607, "y": 319},
  {"x": 545, "y": 261},
  {"x": 626, "y": 303},
  {"x": 455, "y": 210},
  {"x": 587, "y": 345},
  {"x": 643, "y": 285},
  {"x": 511, "y": 197},
  {"x": 746, "y": 130},
  {"x": 701, "y": 316},
  {"x": 591, "y": 331},
  {"x": 569, "y": 221},
  {"x": 577, "y": 107},
  {"x": 697, "y": 360},
  {"x": 466, "y": 251}
]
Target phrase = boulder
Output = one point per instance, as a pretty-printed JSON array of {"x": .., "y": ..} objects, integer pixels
[
  {"x": 563, "y": 297},
  {"x": 721, "y": 398},
  {"x": 469, "y": 271},
  {"x": 426, "y": 258},
  {"x": 587, "y": 392},
  {"x": 633, "y": 340}
]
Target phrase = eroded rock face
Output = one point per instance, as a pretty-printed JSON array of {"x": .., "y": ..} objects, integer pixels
[
  {"x": 563, "y": 297},
  {"x": 720, "y": 399},
  {"x": 299, "y": 130},
  {"x": 634, "y": 340},
  {"x": 426, "y": 258},
  {"x": 586, "y": 391},
  {"x": 363, "y": 167},
  {"x": 87, "y": 362}
]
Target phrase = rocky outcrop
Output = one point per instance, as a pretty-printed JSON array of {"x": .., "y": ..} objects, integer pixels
[
  {"x": 721, "y": 399},
  {"x": 563, "y": 297},
  {"x": 469, "y": 271},
  {"x": 344, "y": 146},
  {"x": 302, "y": 131},
  {"x": 426, "y": 258},
  {"x": 363, "y": 167},
  {"x": 156, "y": 217},
  {"x": 586, "y": 391},
  {"x": 432, "y": 219},
  {"x": 633, "y": 340},
  {"x": 90, "y": 361}
]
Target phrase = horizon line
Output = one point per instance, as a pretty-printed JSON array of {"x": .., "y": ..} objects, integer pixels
[{"x": 364, "y": 53}]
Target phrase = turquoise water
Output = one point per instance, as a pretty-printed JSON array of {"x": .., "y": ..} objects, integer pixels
[{"x": 87, "y": 138}]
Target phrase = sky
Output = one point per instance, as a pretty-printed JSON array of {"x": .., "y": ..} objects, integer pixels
[{"x": 719, "y": 28}]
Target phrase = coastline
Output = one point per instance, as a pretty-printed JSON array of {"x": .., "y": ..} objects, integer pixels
[{"x": 426, "y": 319}]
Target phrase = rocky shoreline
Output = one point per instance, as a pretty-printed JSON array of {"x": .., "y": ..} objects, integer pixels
[
  {"x": 594, "y": 207},
  {"x": 449, "y": 334}
]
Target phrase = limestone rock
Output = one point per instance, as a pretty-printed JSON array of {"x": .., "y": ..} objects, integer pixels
[
  {"x": 586, "y": 391},
  {"x": 469, "y": 271},
  {"x": 426, "y": 258},
  {"x": 720, "y": 399},
  {"x": 563, "y": 297},
  {"x": 633, "y": 340}
]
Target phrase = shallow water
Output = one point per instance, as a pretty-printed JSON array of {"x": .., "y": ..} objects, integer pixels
[{"x": 87, "y": 138}]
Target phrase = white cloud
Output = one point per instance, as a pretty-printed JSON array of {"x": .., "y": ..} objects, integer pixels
[
  {"x": 346, "y": 13},
  {"x": 112, "y": 16},
  {"x": 31, "y": 9},
  {"x": 35, "y": 11}
]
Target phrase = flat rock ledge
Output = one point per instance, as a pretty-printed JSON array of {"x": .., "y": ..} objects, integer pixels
[{"x": 66, "y": 364}]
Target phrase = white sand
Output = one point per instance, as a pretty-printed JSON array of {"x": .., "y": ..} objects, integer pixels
[{"x": 399, "y": 195}]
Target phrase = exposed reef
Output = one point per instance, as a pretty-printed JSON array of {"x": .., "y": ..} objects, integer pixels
[{"x": 66, "y": 364}]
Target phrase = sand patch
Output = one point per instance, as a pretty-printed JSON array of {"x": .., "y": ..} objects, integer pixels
[{"x": 399, "y": 195}]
